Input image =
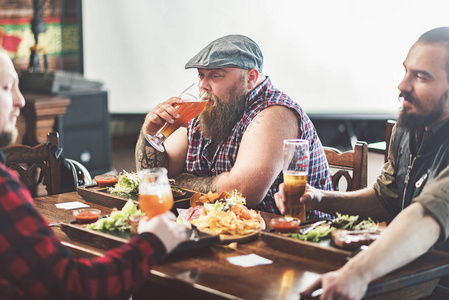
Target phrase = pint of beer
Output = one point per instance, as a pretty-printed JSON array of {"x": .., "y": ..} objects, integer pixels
[
  {"x": 193, "y": 104},
  {"x": 188, "y": 110},
  {"x": 295, "y": 170},
  {"x": 155, "y": 195}
]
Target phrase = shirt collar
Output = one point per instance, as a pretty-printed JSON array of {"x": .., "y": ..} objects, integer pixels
[
  {"x": 435, "y": 127},
  {"x": 261, "y": 88},
  {"x": 423, "y": 136}
]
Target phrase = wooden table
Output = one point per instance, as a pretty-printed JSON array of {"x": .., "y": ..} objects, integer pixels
[{"x": 206, "y": 273}]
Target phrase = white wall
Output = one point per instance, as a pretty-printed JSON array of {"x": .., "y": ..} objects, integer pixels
[{"x": 335, "y": 56}]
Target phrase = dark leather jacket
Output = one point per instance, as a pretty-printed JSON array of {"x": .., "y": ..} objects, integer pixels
[{"x": 413, "y": 171}]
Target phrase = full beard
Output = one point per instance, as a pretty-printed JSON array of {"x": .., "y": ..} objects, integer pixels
[
  {"x": 413, "y": 122},
  {"x": 217, "y": 121}
]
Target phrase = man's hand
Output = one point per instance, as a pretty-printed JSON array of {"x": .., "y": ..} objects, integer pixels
[
  {"x": 165, "y": 228},
  {"x": 341, "y": 284},
  {"x": 311, "y": 197},
  {"x": 162, "y": 113}
]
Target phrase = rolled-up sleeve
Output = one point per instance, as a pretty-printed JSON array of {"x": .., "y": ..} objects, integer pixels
[
  {"x": 385, "y": 185},
  {"x": 435, "y": 199}
]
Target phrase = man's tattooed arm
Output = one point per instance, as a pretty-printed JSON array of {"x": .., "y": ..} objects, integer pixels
[
  {"x": 147, "y": 156},
  {"x": 201, "y": 184}
]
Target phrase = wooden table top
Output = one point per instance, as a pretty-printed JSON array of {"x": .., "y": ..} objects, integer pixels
[{"x": 206, "y": 274}]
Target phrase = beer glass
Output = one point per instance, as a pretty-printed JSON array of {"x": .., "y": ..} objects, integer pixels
[
  {"x": 295, "y": 170},
  {"x": 155, "y": 195},
  {"x": 191, "y": 107}
]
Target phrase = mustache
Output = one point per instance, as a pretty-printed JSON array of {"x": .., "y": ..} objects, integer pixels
[
  {"x": 408, "y": 97},
  {"x": 214, "y": 99},
  {"x": 213, "y": 103}
]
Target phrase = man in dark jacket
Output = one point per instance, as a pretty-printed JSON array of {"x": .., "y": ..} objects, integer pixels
[{"x": 413, "y": 189}]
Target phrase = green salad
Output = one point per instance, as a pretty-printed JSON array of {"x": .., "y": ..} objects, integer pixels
[
  {"x": 347, "y": 222},
  {"x": 127, "y": 183},
  {"x": 118, "y": 219}
]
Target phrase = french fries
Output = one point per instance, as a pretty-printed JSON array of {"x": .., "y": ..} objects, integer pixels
[
  {"x": 199, "y": 198},
  {"x": 220, "y": 222}
]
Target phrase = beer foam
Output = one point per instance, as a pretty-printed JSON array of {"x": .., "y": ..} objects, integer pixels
[
  {"x": 153, "y": 190},
  {"x": 295, "y": 173}
]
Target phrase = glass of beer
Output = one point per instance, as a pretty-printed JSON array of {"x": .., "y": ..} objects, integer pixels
[
  {"x": 193, "y": 103},
  {"x": 155, "y": 195},
  {"x": 295, "y": 170}
]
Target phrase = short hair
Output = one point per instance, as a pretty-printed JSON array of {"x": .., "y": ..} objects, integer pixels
[{"x": 438, "y": 35}]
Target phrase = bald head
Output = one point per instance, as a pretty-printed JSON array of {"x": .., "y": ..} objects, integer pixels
[
  {"x": 440, "y": 36},
  {"x": 11, "y": 100}
]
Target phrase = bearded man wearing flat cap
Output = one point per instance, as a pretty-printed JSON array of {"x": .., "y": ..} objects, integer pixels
[{"x": 236, "y": 142}]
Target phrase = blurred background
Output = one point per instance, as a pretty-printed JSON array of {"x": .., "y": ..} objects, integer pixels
[{"x": 103, "y": 64}]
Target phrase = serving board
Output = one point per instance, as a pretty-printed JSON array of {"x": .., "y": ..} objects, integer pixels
[
  {"x": 101, "y": 196},
  {"x": 110, "y": 239},
  {"x": 322, "y": 251}
]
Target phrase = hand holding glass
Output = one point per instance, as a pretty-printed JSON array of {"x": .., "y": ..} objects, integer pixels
[
  {"x": 295, "y": 170},
  {"x": 191, "y": 107},
  {"x": 155, "y": 195}
]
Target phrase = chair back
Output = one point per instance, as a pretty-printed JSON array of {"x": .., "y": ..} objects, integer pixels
[
  {"x": 388, "y": 131},
  {"x": 32, "y": 163},
  {"x": 354, "y": 161}
]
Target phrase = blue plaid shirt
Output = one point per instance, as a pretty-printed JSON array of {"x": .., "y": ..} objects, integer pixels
[{"x": 201, "y": 162}]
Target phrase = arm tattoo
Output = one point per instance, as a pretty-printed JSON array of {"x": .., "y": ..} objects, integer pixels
[
  {"x": 254, "y": 122},
  {"x": 147, "y": 156},
  {"x": 201, "y": 184}
]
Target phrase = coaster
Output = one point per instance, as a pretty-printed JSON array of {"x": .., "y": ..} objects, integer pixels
[
  {"x": 71, "y": 205},
  {"x": 249, "y": 260}
]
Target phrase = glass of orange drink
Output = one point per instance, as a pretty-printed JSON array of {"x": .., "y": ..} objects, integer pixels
[
  {"x": 155, "y": 195},
  {"x": 295, "y": 170},
  {"x": 193, "y": 104}
]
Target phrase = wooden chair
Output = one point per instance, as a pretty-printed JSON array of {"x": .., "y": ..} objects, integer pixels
[
  {"x": 31, "y": 163},
  {"x": 355, "y": 161},
  {"x": 388, "y": 131}
]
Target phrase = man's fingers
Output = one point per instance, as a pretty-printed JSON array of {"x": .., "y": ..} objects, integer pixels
[
  {"x": 161, "y": 113},
  {"x": 311, "y": 288},
  {"x": 169, "y": 216},
  {"x": 167, "y": 111},
  {"x": 279, "y": 203},
  {"x": 279, "y": 199},
  {"x": 306, "y": 197}
]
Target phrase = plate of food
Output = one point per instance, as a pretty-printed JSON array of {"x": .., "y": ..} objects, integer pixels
[
  {"x": 223, "y": 214},
  {"x": 126, "y": 188},
  {"x": 329, "y": 241},
  {"x": 127, "y": 184},
  {"x": 345, "y": 231},
  {"x": 119, "y": 226}
]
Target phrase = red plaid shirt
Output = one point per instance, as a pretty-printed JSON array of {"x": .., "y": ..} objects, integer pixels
[
  {"x": 35, "y": 265},
  {"x": 201, "y": 162}
]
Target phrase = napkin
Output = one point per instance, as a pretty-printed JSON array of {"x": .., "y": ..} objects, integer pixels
[
  {"x": 71, "y": 205},
  {"x": 249, "y": 260}
]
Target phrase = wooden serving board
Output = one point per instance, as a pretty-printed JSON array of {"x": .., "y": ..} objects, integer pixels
[
  {"x": 322, "y": 251},
  {"x": 101, "y": 196},
  {"x": 110, "y": 239}
]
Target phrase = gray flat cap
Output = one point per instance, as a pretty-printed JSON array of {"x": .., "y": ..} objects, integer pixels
[{"x": 236, "y": 51}]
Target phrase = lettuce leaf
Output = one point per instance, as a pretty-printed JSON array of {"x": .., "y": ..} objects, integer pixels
[
  {"x": 118, "y": 219},
  {"x": 127, "y": 183}
]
